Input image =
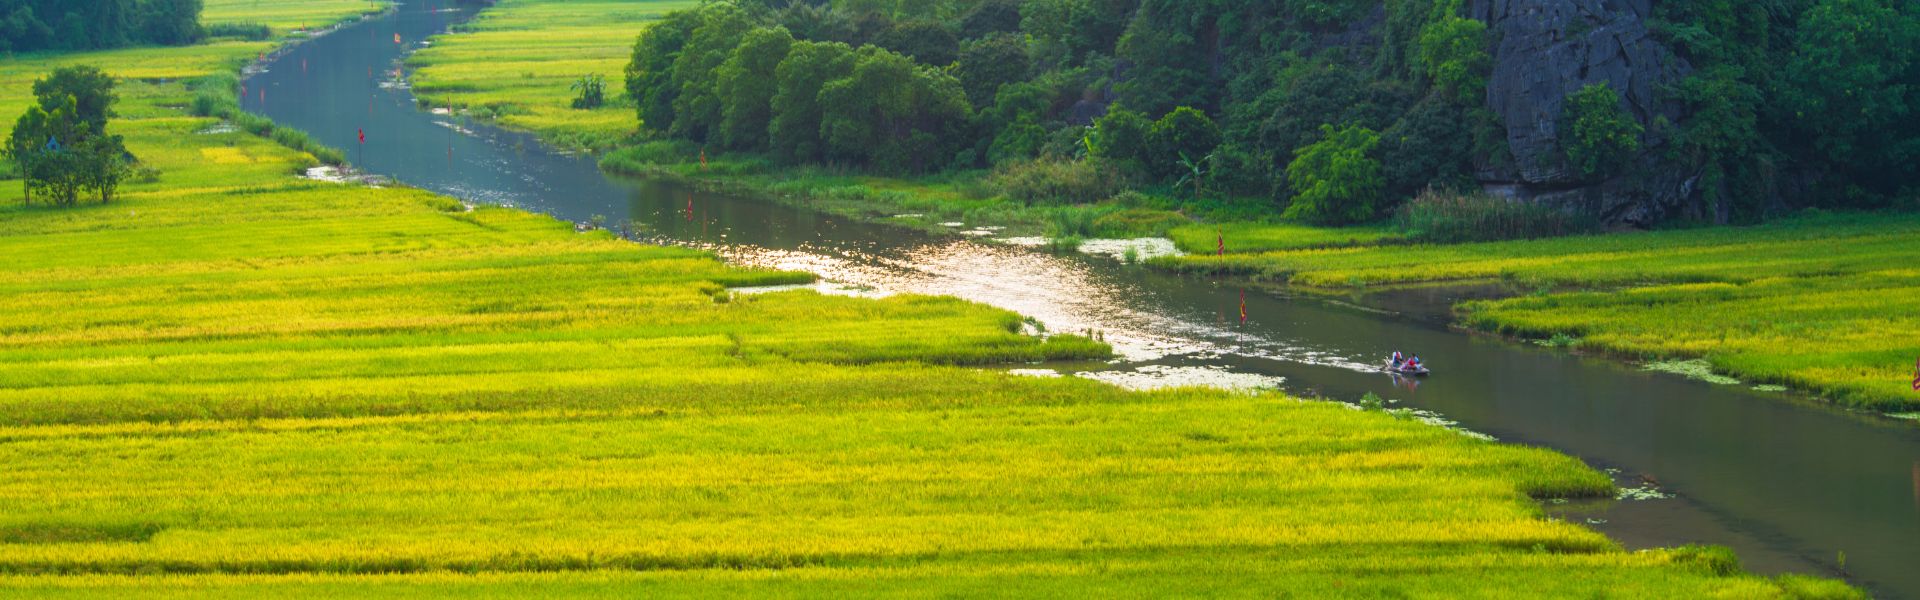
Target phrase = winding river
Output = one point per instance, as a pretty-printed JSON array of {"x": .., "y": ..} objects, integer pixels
[{"x": 1789, "y": 484}]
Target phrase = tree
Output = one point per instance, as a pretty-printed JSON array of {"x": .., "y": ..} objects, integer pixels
[
  {"x": 1334, "y": 180},
  {"x": 171, "y": 22},
  {"x": 650, "y": 72},
  {"x": 925, "y": 41},
  {"x": 1184, "y": 134},
  {"x": 987, "y": 63},
  {"x": 1600, "y": 137},
  {"x": 1453, "y": 53},
  {"x": 90, "y": 89},
  {"x": 793, "y": 131},
  {"x": 47, "y": 145},
  {"x": 892, "y": 114},
  {"x": 746, "y": 84},
  {"x": 102, "y": 162},
  {"x": 696, "y": 111},
  {"x": 61, "y": 145},
  {"x": 1121, "y": 136},
  {"x": 1426, "y": 147},
  {"x": 1848, "y": 88}
]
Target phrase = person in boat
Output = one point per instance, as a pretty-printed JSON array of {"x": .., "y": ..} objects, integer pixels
[
  {"x": 1413, "y": 364},
  {"x": 1398, "y": 359}
]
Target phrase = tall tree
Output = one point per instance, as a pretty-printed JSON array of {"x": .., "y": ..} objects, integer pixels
[
  {"x": 746, "y": 84},
  {"x": 1335, "y": 181}
]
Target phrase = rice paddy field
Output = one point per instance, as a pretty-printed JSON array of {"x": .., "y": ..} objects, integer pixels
[
  {"x": 285, "y": 16},
  {"x": 1827, "y": 303},
  {"x": 235, "y": 382},
  {"x": 518, "y": 59}
]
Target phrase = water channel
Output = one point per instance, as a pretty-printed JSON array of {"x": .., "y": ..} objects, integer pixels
[{"x": 1789, "y": 484}]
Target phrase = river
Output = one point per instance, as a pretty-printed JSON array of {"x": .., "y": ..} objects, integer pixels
[{"x": 1789, "y": 484}]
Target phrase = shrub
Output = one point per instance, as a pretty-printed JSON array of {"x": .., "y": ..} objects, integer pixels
[
  {"x": 1055, "y": 182},
  {"x": 590, "y": 92},
  {"x": 1449, "y": 217},
  {"x": 1600, "y": 137},
  {"x": 247, "y": 31}
]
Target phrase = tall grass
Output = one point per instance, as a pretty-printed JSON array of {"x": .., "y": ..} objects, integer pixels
[
  {"x": 1442, "y": 216},
  {"x": 1056, "y": 182}
]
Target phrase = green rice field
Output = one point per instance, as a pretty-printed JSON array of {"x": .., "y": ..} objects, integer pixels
[
  {"x": 285, "y": 16},
  {"x": 518, "y": 59},
  {"x": 1827, "y": 303},
  {"x": 234, "y": 382}
]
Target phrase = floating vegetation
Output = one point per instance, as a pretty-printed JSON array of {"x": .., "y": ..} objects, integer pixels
[
  {"x": 1770, "y": 388},
  {"x": 1696, "y": 368},
  {"x": 1645, "y": 492}
]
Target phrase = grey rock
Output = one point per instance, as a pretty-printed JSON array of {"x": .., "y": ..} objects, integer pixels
[{"x": 1545, "y": 50}]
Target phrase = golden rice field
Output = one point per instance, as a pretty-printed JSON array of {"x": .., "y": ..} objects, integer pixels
[
  {"x": 233, "y": 382},
  {"x": 518, "y": 60},
  {"x": 1824, "y": 303}
]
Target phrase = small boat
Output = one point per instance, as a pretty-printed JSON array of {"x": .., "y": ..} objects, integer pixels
[{"x": 1389, "y": 367}]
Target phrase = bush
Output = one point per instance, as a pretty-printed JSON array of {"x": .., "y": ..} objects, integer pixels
[
  {"x": 1055, "y": 182},
  {"x": 1449, "y": 217},
  {"x": 1336, "y": 181},
  {"x": 246, "y": 31},
  {"x": 1600, "y": 137}
]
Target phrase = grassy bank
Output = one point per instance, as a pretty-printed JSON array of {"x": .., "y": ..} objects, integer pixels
[
  {"x": 233, "y": 382},
  {"x": 1825, "y": 303}
]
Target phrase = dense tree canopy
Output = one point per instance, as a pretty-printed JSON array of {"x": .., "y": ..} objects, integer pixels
[
  {"x": 1822, "y": 90},
  {"x": 31, "y": 25}
]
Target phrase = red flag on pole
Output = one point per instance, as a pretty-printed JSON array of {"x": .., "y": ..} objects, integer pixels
[
  {"x": 396, "y": 38},
  {"x": 1222, "y": 241},
  {"x": 1243, "y": 306},
  {"x": 703, "y": 159},
  {"x": 363, "y": 135},
  {"x": 1916, "y": 375}
]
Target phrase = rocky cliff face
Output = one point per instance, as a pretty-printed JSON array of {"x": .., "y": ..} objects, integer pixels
[{"x": 1545, "y": 50}]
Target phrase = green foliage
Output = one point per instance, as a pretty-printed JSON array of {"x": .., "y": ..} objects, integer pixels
[
  {"x": 746, "y": 85},
  {"x": 1335, "y": 181},
  {"x": 1122, "y": 136},
  {"x": 1427, "y": 147},
  {"x": 892, "y": 114},
  {"x": 36, "y": 25},
  {"x": 1180, "y": 141},
  {"x": 924, "y": 41},
  {"x": 589, "y": 92},
  {"x": 794, "y": 128},
  {"x": 60, "y": 146},
  {"x": 1847, "y": 88},
  {"x": 90, "y": 89},
  {"x": 247, "y": 31},
  {"x": 1453, "y": 53},
  {"x": 697, "y": 108},
  {"x": 1451, "y": 217},
  {"x": 650, "y": 72},
  {"x": 1055, "y": 182},
  {"x": 987, "y": 63},
  {"x": 1600, "y": 137}
]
